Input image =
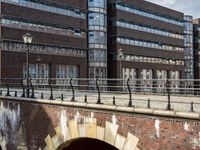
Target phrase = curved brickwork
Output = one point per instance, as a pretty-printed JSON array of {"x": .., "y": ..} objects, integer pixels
[{"x": 89, "y": 129}]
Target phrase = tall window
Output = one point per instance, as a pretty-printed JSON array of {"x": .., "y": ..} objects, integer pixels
[
  {"x": 97, "y": 37},
  {"x": 97, "y": 19}
]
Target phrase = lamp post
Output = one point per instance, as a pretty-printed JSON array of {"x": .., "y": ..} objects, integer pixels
[
  {"x": 120, "y": 54},
  {"x": 27, "y": 40}
]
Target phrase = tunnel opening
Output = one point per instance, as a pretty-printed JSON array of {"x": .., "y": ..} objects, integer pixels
[{"x": 86, "y": 144}]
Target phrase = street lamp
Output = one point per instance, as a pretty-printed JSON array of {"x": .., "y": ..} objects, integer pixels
[
  {"x": 27, "y": 40},
  {"x": 120, "y": 54}
]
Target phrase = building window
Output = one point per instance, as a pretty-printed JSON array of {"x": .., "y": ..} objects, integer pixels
[
  {"x": 97, "y": 3},
  {"x": 36, "y": 26},
  {"x": 59, "y": 9},
  {"x": 97, "y": 37},
  {"x": 97, "y": 19},
  {"x": 67, "y": 71},
  {"x": 36, "y": 70},
  {"x": 153, "y": 15}
]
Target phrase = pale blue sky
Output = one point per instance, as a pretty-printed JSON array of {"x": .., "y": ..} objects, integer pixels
[{"x": 188, "y": 7}]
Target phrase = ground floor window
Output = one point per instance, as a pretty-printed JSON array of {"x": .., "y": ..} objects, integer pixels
[
  {"x": 36, "y": 70},
  {"x": 97, "y": 72},
  {"x": 149, "y": 80},
  {"x": 67, "y": 71}
]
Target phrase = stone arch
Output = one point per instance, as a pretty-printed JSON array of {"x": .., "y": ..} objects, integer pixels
[{"x": 89, "y": 129}]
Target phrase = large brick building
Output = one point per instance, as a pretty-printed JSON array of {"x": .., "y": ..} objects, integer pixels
[
  {"x": 59, "y": 47},
  {"x": 94, "y": 38},
  {"x": 196, "y": 35}
]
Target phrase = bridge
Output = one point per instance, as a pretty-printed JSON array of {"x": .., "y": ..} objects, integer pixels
[{"x": 56, "y": 119}]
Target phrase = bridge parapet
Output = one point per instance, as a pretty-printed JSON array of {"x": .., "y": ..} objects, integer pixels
[
  {"x": 44, "y": 120},
  {"x": 111, "y": 108}
]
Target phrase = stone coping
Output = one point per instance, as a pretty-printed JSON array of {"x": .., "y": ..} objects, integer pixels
[{"x": 123, "y": 109}]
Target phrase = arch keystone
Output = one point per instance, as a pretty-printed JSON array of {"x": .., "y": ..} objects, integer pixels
[
  {"x": 91, "y": 127},
  {"x": 82, "y": 130}
]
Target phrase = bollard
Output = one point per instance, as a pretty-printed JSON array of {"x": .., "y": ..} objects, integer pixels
[
  {"x": 51, "y": 89},
  {"x": 168, "y": 96},
  {"x": 62, "y": 97},
  {"x": 192, "y": 107},
  {"x": 0, "y": 92},
  {"x": 114, "y": 101},
  {"x": 72, "y": 88},
  {"x": 42, "y": 96},
  {"x": 85, "y": 99},
  {"x": 149, "y": 104},
  {"x": 99, "y": 94},
  {"x": 23, "y": 88},
  {"x": 15, "y": 93},
  {"x": 130, "y": 96},
  {"x": 8, "y": 89},
  {"x": 32, "y": 89}
]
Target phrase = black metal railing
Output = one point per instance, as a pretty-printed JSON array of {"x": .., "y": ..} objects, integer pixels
[{"x": 110, "y": 91}]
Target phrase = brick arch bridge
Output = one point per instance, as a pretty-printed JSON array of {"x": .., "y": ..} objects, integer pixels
[
  {"x": 88, "y": 129},
  {"x": 42, "y": 124}
]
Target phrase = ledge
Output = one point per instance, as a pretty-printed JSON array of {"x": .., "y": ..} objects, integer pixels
[
  {"x": 165, "y": 113},
  {"x": 123, "y": 109},
  {"x": 189, "y": 115},
  {"x": 143, "y": 110}
]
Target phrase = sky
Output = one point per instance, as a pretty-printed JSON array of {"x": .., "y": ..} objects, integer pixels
[{"x": 188, "y": 7}]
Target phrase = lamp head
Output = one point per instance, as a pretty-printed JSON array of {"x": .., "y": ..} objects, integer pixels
[{"x": 27, "y": 38}]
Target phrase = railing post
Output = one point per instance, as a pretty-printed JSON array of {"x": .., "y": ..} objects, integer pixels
[
  {"x": 192, "y": 107},
  {"x": 114, "y": 103},
  {"x": 149, "y": 104},
  {"x": 8, "y": 89},
  {"x": 32, "y": 89},
  {"x": 168, "y": 96},
  {"x": 23, "y": 88},
  {"x": 51, "y": 96},
  {"x": 130, "y": 95},
  {"x": 62, "y": 97},
  {"x": 72, "y": 88},
  {"x": 15, "y": 94},
  {"x": 42, "y": 96},
  {"x": 99, "y": 94},
  {"x": 85, "y": 100}
]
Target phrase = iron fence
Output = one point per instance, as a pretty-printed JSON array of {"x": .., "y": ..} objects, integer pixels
[{"x": 108, "y": 91}]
